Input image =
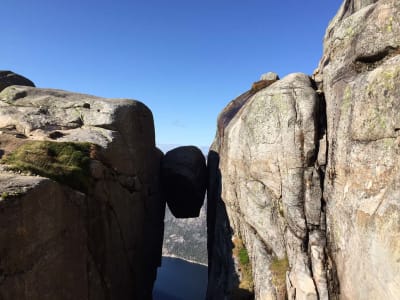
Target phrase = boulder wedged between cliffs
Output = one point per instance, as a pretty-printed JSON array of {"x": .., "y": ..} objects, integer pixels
[{"x": 183, "y": 178}]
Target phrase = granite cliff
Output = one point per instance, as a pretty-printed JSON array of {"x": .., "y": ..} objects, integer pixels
[
  {"x": 94, "y": 229},
  {"x": 304, "y": 173}
]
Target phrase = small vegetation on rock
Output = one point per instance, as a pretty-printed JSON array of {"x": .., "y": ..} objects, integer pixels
[
  {"x": 246, "y": 280},
  {"x": 278, "y": 268},
  {"x": 67, "y": 163},
  {"x": 243, "y": 256}
]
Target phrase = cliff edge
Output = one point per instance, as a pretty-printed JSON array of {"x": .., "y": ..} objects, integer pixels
[{"x": 80, "y": 210}]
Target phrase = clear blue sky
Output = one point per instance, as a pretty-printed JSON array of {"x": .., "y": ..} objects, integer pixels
[{"x": 185, "y": 59}]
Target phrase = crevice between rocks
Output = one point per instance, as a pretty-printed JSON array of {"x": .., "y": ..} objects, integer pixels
[
  {"x": 313, "y": 231},
  {"x": 333, "y": 288},
  {"x": 370, "y": 62}
]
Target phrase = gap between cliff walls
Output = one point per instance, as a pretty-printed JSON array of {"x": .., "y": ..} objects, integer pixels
[
  {"x": 321, "y": 163},
  {"x": 325, "y": 174}
]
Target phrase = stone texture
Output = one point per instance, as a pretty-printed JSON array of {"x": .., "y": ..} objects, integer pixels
[
  {"x": 269, "y": 76},
  {"x": 8, "y": 78},
  {"x": 43, "y": 241},
  {"x": 183, "y": 176},
  {"x": 58, "y": 243},
  {"x": 309, "y": 170},
  {"x": 270, "y": 186},
  {"x": 360, "y": 70},
  {"x": 235, "y": 105}
]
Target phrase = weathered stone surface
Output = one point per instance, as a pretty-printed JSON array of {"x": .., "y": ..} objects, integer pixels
[
  {"x": 43, "y": 241},
  {"x": 184, "y": 176},
  {"x": 269, "y": 76},
  {"x": 8, "y": 78},
  {"x": 361, "y": 81},
  {"x": 58, "y": 243},
  {"x": 314, "y": 175},
  {"x": 270, "y": 186},
  {"x": 235, "y": 105}
]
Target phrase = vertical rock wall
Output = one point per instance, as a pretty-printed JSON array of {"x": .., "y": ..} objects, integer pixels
[
  {"x": 360, "y": 71},
  {"x": 59, "y": 243},
  {"x": 306, "y": 171},
  {"x": 271, "y": 188}
]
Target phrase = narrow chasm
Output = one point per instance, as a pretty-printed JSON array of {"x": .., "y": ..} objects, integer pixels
[
  {"x": 324, "y": 266},
  {"x": 183, "y": 271}
]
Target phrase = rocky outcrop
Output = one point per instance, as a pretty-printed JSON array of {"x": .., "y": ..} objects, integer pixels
[
  {"x": 360, "y": 74},
  {"x": 77, "y": 237},
  {"x": 8, "y": 78},
  {"x": 305, "y": 172},
  {"x": 183, "y": 176},
  {"x": 271, "y": 186},
  {"x": 235, "y": 105}
]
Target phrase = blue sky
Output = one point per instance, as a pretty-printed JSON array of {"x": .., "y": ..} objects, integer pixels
[{"x": 184, "y": 59}]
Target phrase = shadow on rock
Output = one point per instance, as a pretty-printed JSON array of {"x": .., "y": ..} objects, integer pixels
[{"x": 223, "y": 280}]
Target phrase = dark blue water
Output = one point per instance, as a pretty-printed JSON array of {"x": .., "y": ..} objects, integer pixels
[{"x": 178, "y": 279}]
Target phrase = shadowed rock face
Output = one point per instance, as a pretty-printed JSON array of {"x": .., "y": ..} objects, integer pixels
[
  {"x": 103, "y": 241},
  {"x": 184, "y": 175},
  {"x": 60, "y": 243},
  {"x": 8, "y": 78}
]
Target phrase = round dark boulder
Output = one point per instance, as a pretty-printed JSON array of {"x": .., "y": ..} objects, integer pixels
[
  {"x": 8, "y": 78},
  {"x": 183, "y": 177}
]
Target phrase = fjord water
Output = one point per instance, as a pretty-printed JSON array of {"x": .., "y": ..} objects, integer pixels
[{"x": 178, "y": 279}]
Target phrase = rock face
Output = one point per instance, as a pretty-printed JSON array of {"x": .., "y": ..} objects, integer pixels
[
  {"x": 306, "y": 172},
  {"x": 271, "y": 186},
  {"x": 8, "y": 78},
  {"x": 360, "y": 72},
  {"x": 270, "y": 76},
  {"x": 183, "y": 176},
  {"x": 57, "y": 242}
]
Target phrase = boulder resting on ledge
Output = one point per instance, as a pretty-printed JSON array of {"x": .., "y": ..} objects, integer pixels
[{"x": 183, "y": 177}]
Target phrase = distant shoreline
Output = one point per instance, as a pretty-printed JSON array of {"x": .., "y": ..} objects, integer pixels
[{"x": 188, "y": 260}]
